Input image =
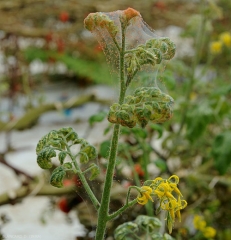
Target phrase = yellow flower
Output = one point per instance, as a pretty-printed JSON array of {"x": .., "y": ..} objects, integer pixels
[
  {"x": 170, "y": 206},
  {"x": 174, "y": 207},
  {"x": 209, "y": 232},
  {"x": 144, "y": 195},
  {"x": 175, "y": 188},
  {"x": 164, "y": 190},
  {"x": 158, "y": 180},
  {"x": 216, "y": 47},
  {"x": 174, "y": 179},
  {"x": 181, "y": 205},
  {"x": 193, "y": 96},
  {"x": 225, "y": 38},
  {"x": 199, "y": 223}
]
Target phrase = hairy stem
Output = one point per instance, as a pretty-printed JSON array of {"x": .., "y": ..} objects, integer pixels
[
  {"x": 122, "y": 209},
  {"x": 104, "y": 208}
]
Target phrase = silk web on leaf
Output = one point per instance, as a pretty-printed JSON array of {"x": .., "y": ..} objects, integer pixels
[
  {"x": 124, "y": 36},
  {"x": 140, "y": 40}
]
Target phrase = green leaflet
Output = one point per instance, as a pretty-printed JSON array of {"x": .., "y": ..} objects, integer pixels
[
  {"x": 57, "y": 176},
  {"x": 68, "y": 133},
  {"x": 161, "y": 164},
  {"x": 140, "y": 226},
  {"x": 62, "y": 156},
  {"x": 159, "y": 236},
  {"x": 45, "y": 141},
  {"x": 221, "y": 151},
  {"x": 104, "y": 148},
  {"x": 151, "y": 222},
  {"x": 88, "y": 152},
  {"x": 197, "y": 120},
  {"x": 98, "y": 117},
  {"x": 67, "y": 165},
  {"x": 95, "y": 171},
  {"x": 44, "y": 157},
  {"x": 168, "y": 237},
  {"x": 123, "y": 230},
  {"x": 83, "y": 157}
]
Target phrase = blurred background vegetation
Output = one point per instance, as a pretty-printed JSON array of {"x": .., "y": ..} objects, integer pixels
[{"x": 43, "y": 43}]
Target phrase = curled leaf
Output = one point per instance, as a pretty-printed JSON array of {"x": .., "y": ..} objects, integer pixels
[
  {"x": 124, "y": 229},
  {"x": 62, "y": 156},
  {"x": 146, "y": 104},
  {"x": 95, "y": 171},
  {"x": 83, "y": 157},
  {"x": 67, "y": 165},
  {"x": 57, "y": 176},
  {"x": 45, "y": 141},
  {"x": 151, "y": 223},
  {"x": 44, "y": 157},
  {"x": 68, "y": 133},
  {"x": 152, "y": 52},
  {"x": 88, "y": 152},
  {"x": 157, "y": 236}
]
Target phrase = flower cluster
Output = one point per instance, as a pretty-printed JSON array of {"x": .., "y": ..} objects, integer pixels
[
  {"x": 201, "y": 225},
  {"x": 223, "y": 42},
  {"x": 169, "y": 195}
]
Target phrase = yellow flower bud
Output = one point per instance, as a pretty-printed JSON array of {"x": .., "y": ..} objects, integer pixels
[
  {"x": 199, "y": 223},
  {"x": 225, "y": 38},
  {"x": 209, "y": 232},
  {"x": 216, "y": 47}
]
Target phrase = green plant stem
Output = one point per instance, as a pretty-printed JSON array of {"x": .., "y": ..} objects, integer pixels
[
  {"x": 88, "y": 169},
  {"x": 149, "y": 205},
  {"x": 84, "y": 181},
  {"x": 87, "y": 187},
  {"x": 116, "y": 43},
  {"x": 104, "y": 208},
  {"x": 129, "y": 192},
  {"x": 122, "y": 209}
]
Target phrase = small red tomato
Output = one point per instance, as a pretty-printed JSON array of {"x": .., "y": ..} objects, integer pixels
[
  {"x": 98, "y": 48},
  {"x": 139, "y": 170},
  {"x": 51, "y": 59},
  {"x": 68, "y": 182},
  {"x": 49, "y": 37},
  {"x": 64, "y": 16},
  {"x": 60, "y": 45},
  {"x": 63, "y": 205},
  {"x": 160, "y": 5}
]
